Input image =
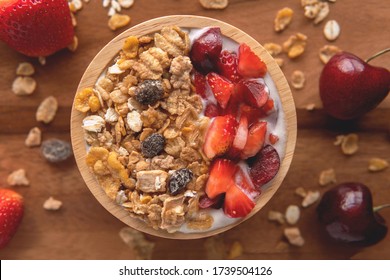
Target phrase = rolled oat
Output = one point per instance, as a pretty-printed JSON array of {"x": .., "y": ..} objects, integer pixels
[
  {"x": 33, "y": 138},
  {"x": 47, "y": 110},
  {"x": 18, "y": 178},
  {"x": 24, "y": 85}
]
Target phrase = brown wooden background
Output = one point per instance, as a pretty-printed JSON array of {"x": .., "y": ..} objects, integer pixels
[{"x": 82, "y": 229}]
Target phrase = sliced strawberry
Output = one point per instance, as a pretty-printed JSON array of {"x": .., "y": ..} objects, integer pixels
[
  {"x": 216, "y": 202},
  {"x": 254, "y": 91},
  {"x": 227, "y": 65},
  {"x": 253, "y": 114},
  {"x": 211, "y": 110},
  {"x": 240, "y": 139},
  {"x": 221, "y": 87},
  {"x": 264, "y": 166},
  {"x": 269, "y": 107},
  {"x": 273, "y": 139},
  {"x": 220, "y": 177},
  {"x": 205, "y": 50},
  {"x": 200, "y": 84},
  {"x": 220, "y": 136},
  {"x": 255, "y": 141},
  {"x": 237, "y": 204},
  {"x": 244, "y": 182},
  {"x": 249, "y": 64}
]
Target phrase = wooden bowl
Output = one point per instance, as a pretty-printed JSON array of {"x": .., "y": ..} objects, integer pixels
[{"x": 104, "y": 58}]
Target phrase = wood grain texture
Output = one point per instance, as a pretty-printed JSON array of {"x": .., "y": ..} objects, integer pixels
[
  {"x": 105, "y": 58},
  {"x": 83, "y": 229}
]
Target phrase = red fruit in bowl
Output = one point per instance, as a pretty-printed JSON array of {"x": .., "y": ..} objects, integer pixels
[
  {"x": 249, "y": 64},
  {"x": 254, "y": 92},
  {"x": 350, "y": 87},
  {"x": 211, "y": 110},
  {"x": 220, "y": 177},
  {"x": 220, "y": 136},
  {"x": 255, "y": 140},
  {"x": 205, "y": 50},
  {"x": 200, "y": 84},
  {"x": 221, "y": 87},
  {"x": 36, "y": 27},
  {"x": 227, "y": 65},
  {"x": 11, "y": 214},
  {"x": 240, "y": 138},
  {"x": 347, "y": 213}
]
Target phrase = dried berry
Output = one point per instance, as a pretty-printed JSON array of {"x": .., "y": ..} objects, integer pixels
[
  {"x": 179, "y": 179},
  {"x": 149, "y": 92},
  {"x": 153, "y": 145},
  {"x": 55, "y": 150}
]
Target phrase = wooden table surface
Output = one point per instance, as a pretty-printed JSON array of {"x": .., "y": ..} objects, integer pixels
[{"x": 83, "y": 229}]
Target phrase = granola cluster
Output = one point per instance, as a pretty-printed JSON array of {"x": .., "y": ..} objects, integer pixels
[{"x": 145, "y": 131}]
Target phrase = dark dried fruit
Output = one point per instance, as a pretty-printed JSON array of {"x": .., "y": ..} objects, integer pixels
[
  {"x": 179, "y": 179},
  {"x": 149, "y": 92},
  {"x": 153, "y": 145},
  {"x": 55, "y": 150}
]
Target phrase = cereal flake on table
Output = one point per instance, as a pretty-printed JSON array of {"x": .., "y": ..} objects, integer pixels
[{"x": 145, "y": 132}]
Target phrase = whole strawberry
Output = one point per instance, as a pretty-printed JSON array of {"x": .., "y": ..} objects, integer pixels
[
  {"x": 11, "y": 213},
  {"x": 36, "y": 27}
]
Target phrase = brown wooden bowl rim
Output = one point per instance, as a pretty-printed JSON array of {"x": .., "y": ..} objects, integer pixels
[{"x": 105, "y": 57}]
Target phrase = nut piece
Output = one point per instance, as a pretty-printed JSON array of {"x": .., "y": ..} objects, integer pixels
[
  {"x": 25, "y": 69},
  {"x": 214, "y": 4},
  {"x": 327, "y": 51},
  {"x": 33, "y": 138},
  {"x": 295, "y": 45},
  {"x": 310, "y": 107},
  {"x": 126, "y": 3},
  {"x": 273, "y": 49},
  {"x": 276, "y": 216},
  {"x": 310, "y": 198},
  {"x": 18, "y": 178},
  {"x": 55, "y": 150},
  {"x": 298, "y": 79},
  {"x": 377, "y": 164},
  {"x": 350, "y": 144},
  {"x": 312, "y": 10},
  {"x": 47, "y": 110},
  {"x": 331, "y": 30},
  {"x": 294, "y": 236},
  {"x": 292, "y": 214},
  {"x": 52, "y": 204},
  {"x": 117, "y": 21},
  {"x": 152, "y": 181},
  {"x": 283, "y": 19},
  {"x": 323, "y": 13},
  {"x": 327, "y": 177},
  {"x": 24, "y": 85}
]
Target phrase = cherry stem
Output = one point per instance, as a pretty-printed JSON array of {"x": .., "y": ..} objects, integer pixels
[
  {"x": 380, "y": 207},
  {"x": 377, "y": 54}
]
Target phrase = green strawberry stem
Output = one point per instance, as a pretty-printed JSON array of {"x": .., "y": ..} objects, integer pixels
[
  {"x": 377, "y": 54},
  {"x": 380, "y": 207}
]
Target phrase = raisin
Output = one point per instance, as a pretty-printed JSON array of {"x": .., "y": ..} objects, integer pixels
[
  {"x": 149, "y": 92},
  {"x": 179, "y": 179},
  {"x": 153, "y": 145},
  {"x": 55, "y": 150}
]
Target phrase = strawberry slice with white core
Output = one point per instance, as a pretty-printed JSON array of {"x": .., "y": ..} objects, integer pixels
[
  {"x": 237, "y": 204},
  {"x": 254, "y": 91},
  {"x": 220, "y": 136},
  {"x": 244, "y": 182},
  {"x": 220, "y": 177},
  {"x": 221, "y": 87},
  {"x": 240, "y": 139},
  {"x": 249, "y": 64},
  {"x": 256, "y": 139}
]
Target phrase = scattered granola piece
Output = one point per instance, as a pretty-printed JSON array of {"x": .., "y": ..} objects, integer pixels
[
  {"x": 273, "y": 48},
  {"x": 298, "y": 79},
  {"x": 33, "y": 138},
  {"x": 126, "y": 3},
  {"x": 236, "y": 250},
  {"x": 295, "y": 45},
  {"x": 350, "y": 144},
  {"x": 323, "y": 12},
  {"x": 377, "y": 164},
  {"x": 292, "y": 214},
  {"x": 283, "y": 19},
  {"x": 214, "y": 4},
  {"x": 117, "y": 21},
  {"x": 24, "y": 86},
  {"x": 18, "y": 178},
  {"x": 331, "y": 30},
  {"x": 327, "y": 176},
  {"x": 279, "y": 61},
  {"x": 25, "y": 69},
  {"x": 47, "y": 110},
  {"x": 75, "y": 43},
  {"x": 55, "y": 150},
  {"x": 276, "y": 216},
  {"x": 339, "y": 140},
  {"x": 301, "y": 192},
  {"x": 294, "y": 236},
  {"x": 215, "y": 248},
  {"x": 137, "y": 241},
  {"x": 310, "y": 107},
  {"x": 282, "y": 246},
  {"x": 311, "y": 10},
  {"x": 327, "y": 51},
  {"x": 310, "y": 198},
  {"x": 52, "y": 204}
]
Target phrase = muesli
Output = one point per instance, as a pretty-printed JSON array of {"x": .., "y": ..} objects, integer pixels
[{"x": 177, "y": 130}]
